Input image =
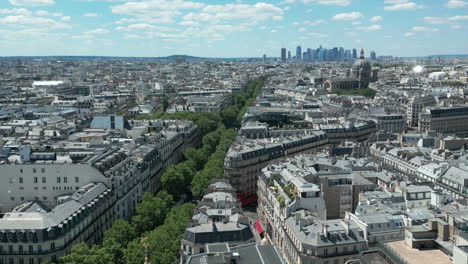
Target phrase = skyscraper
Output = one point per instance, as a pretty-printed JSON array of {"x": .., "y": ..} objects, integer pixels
[
  {"x": 347, "y": 54},
  {"x": 283, "y": 54},
  {"x": 354, "y": 54},
  {"x": 341, "y": 53},
  {"x": 373, "y": 56},
  {"x": 310, "y": 54},
  {"x": 289, "y": 55},
  {"x": 298, "y": 52}
]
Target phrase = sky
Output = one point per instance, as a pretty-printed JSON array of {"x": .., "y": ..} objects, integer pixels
[{"x": 223, "y": 28}]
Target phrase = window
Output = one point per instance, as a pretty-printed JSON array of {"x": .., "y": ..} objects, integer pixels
[
  {"x": 52, "y": 246},
  {"x": 44, "y": 180},
  {"x": 35, "y": 179},
  {"x": 21, "y": 170},
  {"x": 22, "y": 198},
  {"x": 77, "y": 179},
  {"x": 12, "y": 198},
  {"x": 31, "y": 249},
  {"x": 20, "y": 248},
  {"x": 31, "y": 261},
  {"x": 10, "y": 248},
  {"x": 39, "y": 248},
  {"x": 20, "y": 179},
  {"x": 44, "y": 198},
  {"x": 65, "y": 179},
  {"x": 58, "y": 179},
  {"x": 43, "y": 170}
]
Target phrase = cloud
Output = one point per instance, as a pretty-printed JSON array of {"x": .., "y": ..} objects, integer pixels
[
  {"x": 347, "y": 16},
  {"x": 370, "y": 28},
  {"x": 16, "y": 11},
  {"x": 402, "y": 6},
  {"x": 314, "y": 23},
  {"x": 395, "y": 1},
  {"x": 424, "y": 29},
  {"x": 145, "y": 26},
  {"x": 409, "y": 34},
  {"x": 375, "y": 19},
  {"x": 251, "y": 14},
  {"x": 155, "y": 11},
  {"x": 458, "y": 18},
  {"x": 456, "y": 4},
  {"x": 317, "y": 35},
  {"x": 444, "y": 20},
  {"x": 321, "y": 2},
  {"x": 301, "y": 29},
  {"x": 90, "y": 15},
  {"x": 99, "y": 31},
  {"x": 45, "y": 13},
  {"x": 32, "y": 2},
  {"x": 66, "y": 18},
  {"x": 356, "y": 23},
  {"x": 25, "y": 21}
]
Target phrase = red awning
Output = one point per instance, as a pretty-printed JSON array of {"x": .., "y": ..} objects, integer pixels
[{"x": 258, "y": 226}]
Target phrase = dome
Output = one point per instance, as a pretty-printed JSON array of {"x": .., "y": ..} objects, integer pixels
[{"x": 362, "y": 63}]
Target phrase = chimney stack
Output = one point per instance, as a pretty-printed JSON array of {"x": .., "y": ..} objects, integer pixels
[{"x": 325, "y": 230}]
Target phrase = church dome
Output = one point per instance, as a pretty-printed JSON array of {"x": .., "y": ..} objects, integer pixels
[{"x": 362, "y": 63}]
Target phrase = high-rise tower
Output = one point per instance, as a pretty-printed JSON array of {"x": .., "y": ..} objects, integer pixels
[
  {"x": 298, "y": 52},
  {"x": 283, "y": 54}
]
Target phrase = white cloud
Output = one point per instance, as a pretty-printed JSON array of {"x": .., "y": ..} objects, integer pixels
[
  {"x": 90, "y": 15},
  {"x": 409, "y": 34},
  {"x": 45, "y": 13},
  {"x": 458, "y": 18},
  {"x": 301, "y": 29},
  {"x": 314, "y": 23},
  {"x": 308, "y": 11},
  {"x": 145, "y": 26},
  {"x": 32, "y": 2},
  {"x": 375, "y": 19},
  {"x": 66, "y": 18},
  {"x": 370, "y": 28},
  {"x": 321, "y": 2},
  {"x": 347, "y": 16},
  {"x": 251, "y": 14},
  {"x": 356, "y": 23},
  {"x": 273, "y": 31},
  {"x": 424, "y": 29},
  {"x": 395, "y": 1},
  {"x": 456, "y": 4},
  {"x": 25, "y": 21},
  {"x": 403, "y": 6},
  {"x": 155, "y": 11},
  {"x": 317, "y": 35},
  {"x": 444, "y": 20},
  {"x": 98, "y": 31},
  {"x": 16, "y": 11}
]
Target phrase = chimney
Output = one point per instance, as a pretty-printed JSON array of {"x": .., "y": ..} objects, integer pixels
[
  {"x": 325, "y": 230},
  {"x": 347, "y": 224}
]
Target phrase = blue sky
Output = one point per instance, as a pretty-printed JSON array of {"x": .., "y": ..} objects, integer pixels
[{"x": 222, "y": 28}]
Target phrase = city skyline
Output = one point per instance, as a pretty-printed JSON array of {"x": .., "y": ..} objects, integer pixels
[{"x": 153, "y": 28}]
